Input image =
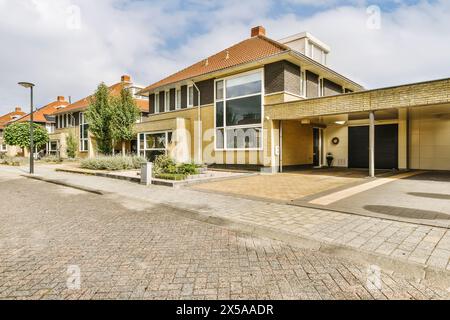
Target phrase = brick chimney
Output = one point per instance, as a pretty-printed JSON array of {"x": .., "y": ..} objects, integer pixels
[
  {"x": 258, "y": 31},
  {"x": 18, "y": 109},
  {"x": 125, "y": 78},
  {"x": 61, "y": 98}
]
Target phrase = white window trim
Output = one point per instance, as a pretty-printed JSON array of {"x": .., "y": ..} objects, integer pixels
[
  {"x": 156, "y": 102},
  {"x": 167, "y": 101},
  {"x": 145, "y": 141},
  {"x": 177, "y": 99},
  {"x": 81, "y": 140},
  {"x": 3, "y": 147},
  {"x": 303, "y": 83},
  {"x": 190, "y": 105},
  {"x": 261, "y": 125}
]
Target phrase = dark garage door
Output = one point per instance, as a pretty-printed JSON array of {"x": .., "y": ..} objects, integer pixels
[{"x": 386, "y": 146}]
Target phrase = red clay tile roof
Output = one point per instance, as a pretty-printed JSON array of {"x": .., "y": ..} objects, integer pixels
[
  {"x": 115, "y": 89},
  {"x": 5, "y": 119},
  {"x": 249, "y": 50},
  {"x": 40, "y": 114}
]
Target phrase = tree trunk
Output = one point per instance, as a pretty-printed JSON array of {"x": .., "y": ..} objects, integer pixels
[{"x": 123, "y": 148}]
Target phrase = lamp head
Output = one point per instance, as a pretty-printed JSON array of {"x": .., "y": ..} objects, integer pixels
[{"x": 26, "y": 84}]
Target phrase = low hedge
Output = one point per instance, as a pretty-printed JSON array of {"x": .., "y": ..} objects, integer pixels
[
  {"x": 113, "y": 163},
  {"x": 171, "y": 176}
]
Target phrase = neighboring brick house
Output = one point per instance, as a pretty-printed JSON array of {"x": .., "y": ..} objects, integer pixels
[
  {"x": 71, "y": 119},
  {"x": 276, "y": 104},
  {"x": 44, "y": 116},
  {"x": 4, "y": 121}
]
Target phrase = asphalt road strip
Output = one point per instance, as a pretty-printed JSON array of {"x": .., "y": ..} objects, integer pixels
[{"x": 339, "y": 195}]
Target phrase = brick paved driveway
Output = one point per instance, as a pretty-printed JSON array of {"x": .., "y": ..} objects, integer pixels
[
  {"x": 286, "y": 186},
  {"x": 144, "y": 251}
]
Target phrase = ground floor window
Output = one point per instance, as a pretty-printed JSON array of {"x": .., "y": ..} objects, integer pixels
[
  {"x": 152, "y": 145},
  {"x": 52, "y": 147},
  {"x": 2, "y": 147}
]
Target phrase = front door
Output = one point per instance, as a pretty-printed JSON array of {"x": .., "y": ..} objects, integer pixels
[{"x": 316, "y": 147}]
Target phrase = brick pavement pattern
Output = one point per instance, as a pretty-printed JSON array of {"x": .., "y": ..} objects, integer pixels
[
  {"x": 134, "y": 250},
  {"x": 399, "y": 240}
]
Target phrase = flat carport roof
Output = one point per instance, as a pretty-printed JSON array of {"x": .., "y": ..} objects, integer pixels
[{"x": 404, "y": 96}]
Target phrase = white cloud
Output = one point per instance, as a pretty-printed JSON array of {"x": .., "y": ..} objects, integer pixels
[{"x": 152, "y": 39}]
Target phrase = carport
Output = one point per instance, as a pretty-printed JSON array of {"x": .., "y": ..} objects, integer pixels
[{"x": 404, "y": 127}]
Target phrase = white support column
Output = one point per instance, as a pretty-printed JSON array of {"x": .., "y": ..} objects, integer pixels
[{"x": 372, "y": 144}]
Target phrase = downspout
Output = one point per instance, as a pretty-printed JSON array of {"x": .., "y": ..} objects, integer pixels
[
  {"x": 280, "y": 156},
  {"x": 199, "y": 119}
]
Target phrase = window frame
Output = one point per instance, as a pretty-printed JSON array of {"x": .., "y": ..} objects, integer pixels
[
  {"x": 82, "y": 123},
  {"x": 191, "y": 103},
  {"x": 224, "y": 100},
  {"x": 145, "y": 141},
  {"x": 3, "y": 147},
  {"x": 303, "y": 83},
  {"x": 167, "y": 101},
  {"x": 178, "y": 98},
  {"x": 156, "y": 106}
]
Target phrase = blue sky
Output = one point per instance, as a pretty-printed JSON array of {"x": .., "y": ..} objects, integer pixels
[{"x": 67, "y": 47}]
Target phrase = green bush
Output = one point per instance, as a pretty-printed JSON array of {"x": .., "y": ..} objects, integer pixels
[
  {"x": 165, "y": 165},
  {"x": 171, "y": 176},
  {"x": 72, "y": 146},
  {"x": 187, "y": 169},
  {"x": 113, "y": 163}
]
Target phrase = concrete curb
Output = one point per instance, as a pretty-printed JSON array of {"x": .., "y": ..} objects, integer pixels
[{"x": 64, "y": 184}]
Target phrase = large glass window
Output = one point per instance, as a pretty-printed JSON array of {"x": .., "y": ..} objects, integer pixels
[
  {"x": 238, "y": 111},
  {"x": 84, "y": 133},
  {"x": 152, "y": 145}
]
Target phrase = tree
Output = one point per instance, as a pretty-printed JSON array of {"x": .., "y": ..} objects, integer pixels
[
  {"x": 124, "y": 116},
  {"x": 98, "y": 115},
  {"x": 72, "y": 146},
  {"x": 18, "y": 134}
]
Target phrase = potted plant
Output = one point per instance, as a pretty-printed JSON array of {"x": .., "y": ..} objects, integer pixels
[{"x": 330, "y": 159}]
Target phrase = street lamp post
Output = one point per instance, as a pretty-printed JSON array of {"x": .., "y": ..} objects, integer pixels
[{"x": 30, "y": 86}]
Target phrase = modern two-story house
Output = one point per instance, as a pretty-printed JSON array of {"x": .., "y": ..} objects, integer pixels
[
  {"x": 71, "y": 120},
  {"x": 277, "y": 105}
]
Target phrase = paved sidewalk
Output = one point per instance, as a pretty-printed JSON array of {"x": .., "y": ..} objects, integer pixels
[{"x": 408, "y": 242}]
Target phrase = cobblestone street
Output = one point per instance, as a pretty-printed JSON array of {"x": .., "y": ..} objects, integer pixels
[{"x": 131, "y": 250}]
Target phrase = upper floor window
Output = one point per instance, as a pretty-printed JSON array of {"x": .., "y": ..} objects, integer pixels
[
  {"x": 303, "y": 84},
  {"x": 178, "y": 99},
  {"x": 238, "y": 112},
  {"x": 167, "y": 101},
  {"x": 156, "y": 108},
  {"x": 190, "y": 97}
]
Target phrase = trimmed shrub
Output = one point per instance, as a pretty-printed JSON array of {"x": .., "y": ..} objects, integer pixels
[
  {"x": 113, "y": 163},
  {"x": 171, "y": 176},
  {"x": 187, "y": 169}
]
